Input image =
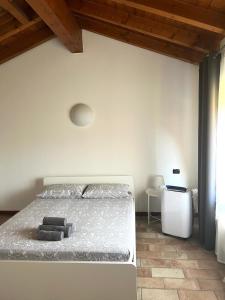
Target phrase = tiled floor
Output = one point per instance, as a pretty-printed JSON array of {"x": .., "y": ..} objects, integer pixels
[{"x": 175, "y": 269}]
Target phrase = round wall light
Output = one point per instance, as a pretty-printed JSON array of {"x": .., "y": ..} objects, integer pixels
[{"x": 82, "y": 115}]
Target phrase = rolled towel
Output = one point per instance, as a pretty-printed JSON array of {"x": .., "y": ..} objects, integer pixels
[
  {"x": 72, "y": 226},
  {"x": 69, "y": 229},
  {"x": 52, "y": 228},
  {"x": 54, "y": 221},
  {"x": 50, "y": 235}
]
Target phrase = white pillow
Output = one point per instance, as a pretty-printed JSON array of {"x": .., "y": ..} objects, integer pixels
[
  {"x": 114, "y": 190},
  {"x": 62, "y": 191}
]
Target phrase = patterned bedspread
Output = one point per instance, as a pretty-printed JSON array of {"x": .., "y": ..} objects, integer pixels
[{"x": 104, "y": 231}]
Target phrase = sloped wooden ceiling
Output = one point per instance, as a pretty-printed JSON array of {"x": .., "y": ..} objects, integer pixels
[{"x": 184, "y": 29}]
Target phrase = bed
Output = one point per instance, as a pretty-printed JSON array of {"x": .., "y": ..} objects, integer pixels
[{"x": 82, "y": 267}]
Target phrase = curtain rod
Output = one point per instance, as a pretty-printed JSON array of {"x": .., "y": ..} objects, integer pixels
[
  {"x": 222, "y": 48},
  {"x": 216, "y": 53}
]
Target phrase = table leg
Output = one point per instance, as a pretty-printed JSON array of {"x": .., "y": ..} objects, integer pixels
[{"x": 148, "y": 210}]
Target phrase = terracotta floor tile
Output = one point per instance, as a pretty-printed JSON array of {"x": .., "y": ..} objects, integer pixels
[
  {"x": 184, "y": 284},
  {"x": 211, "y": 284},
  {"x": 188, "y": 247},
  {"x": 196, "y": 295},
  {"x": 151, "y": 241},
  {"x": 222, "y": 273},
  {"x": 221, "y": 266},
  {"x": 199, "y": 255},
  {"x": 161, "y": 235},
  {"x": 156, "y": 226},
  {"x": 194, "y": 241},
  {"x": 173, "y": 255},
  {"x": 159, "y": 294},
  {"x": 202, "y": 274},
  {"x": 144, "y": 229},
  {"x": 220, "y": 295},
  {"x": 144, "y": 272},
  {"x": 156, "y": 262},
  {"x": 150, "y": 283},
  {"x": 147, "y": 235},
  {"x": 185, "y": 263},
  {"x": 161, "y": 254},
  {"x": 162, "y": 248},
  {"x": 167, "y": 272},
  {"x": 148, "y": 254},
  {"x": 209, "y": 264},
  {"x": 139, "y": 229},
  {"x": 139, "y": 294},
  {"x": 142, "y": 247},
  {"x": 138, "y": 262},
  {"x": 141, "y": 224},
  {"x": 174, "y": 242}
]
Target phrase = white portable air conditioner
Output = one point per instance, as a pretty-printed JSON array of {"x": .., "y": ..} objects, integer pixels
[{"x": 176, "y": 213}]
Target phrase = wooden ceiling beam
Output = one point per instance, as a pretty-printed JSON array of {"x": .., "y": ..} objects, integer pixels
[
  {"x": 31, "y": 26},
  {"x": 14, "y": 10},
  {"x": 23, "y": 38},
  {"x": 144, "y": 25},
  {"x": 140, "y": 40},
  {"x": 183, "y": 12},
  {"x": 56, "y": 14}
]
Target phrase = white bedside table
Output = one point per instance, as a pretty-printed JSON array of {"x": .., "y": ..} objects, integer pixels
[{"x": 150, "y": 192}]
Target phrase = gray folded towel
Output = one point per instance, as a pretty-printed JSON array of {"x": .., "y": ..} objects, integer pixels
[
  {"x": 50, "y": 235},
  {"x": 68, "y": 229},
  {"x": 73, "y": 228},
  {"x": 52, "y": 228},
  {"x": 54, "y": 221}
]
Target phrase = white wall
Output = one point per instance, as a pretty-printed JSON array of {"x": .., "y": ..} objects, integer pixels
[{"x": 146, "y": 117}]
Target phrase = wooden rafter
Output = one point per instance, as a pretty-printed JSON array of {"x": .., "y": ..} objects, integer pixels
[
  {"x": 58, "y": 17},
  {"x": 175, "y": 28},
  {"x": 14, "y": 10},
  {"x": 36, "y": 23},
  {"x": 144, "y": 25},
  {"x": 23, "y": 38},
  {"x": 7, "y": 23},
  {"x": 186, "y": 13},
  {"x": 140, "y": 40}
]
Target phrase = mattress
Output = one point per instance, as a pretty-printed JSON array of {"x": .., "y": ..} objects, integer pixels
[{"x": 104, "y": 231}]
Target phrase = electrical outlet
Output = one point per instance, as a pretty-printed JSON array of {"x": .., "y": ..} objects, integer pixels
[{"x": 176, "y": 171}]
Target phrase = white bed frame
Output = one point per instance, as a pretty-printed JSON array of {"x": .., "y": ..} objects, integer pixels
[{"x": 71, "y": 280}]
